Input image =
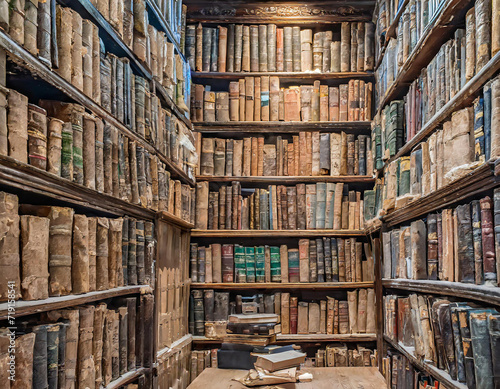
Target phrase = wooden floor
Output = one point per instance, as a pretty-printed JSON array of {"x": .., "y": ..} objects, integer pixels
[{"x": 323, "y": 378}]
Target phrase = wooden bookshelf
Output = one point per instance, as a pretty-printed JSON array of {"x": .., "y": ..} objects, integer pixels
[
  {"x": 112, "y": 41},
  {"x": 302, "y": 338},
  {"x": 438, "y": 374},
  {"x": 280, "y": 127},
  {"x": 391, "y": 32},
  {"x": 127, "y": 378},
  {"x": 22, "y": 176},
  {"x": 478, "y": 181},
  {"x": 282, "y": 286},
  {"x": 274, "y": 233},
  {"x": 484, "y": 293},
  {"x": 25, "y": 308},
  {"x": 169, "y": 217},
  {"x": 278, "y": 180},
  {"x": 169, "y": 102},
  {"x": 285, "y": 76},
  {"x": 437, "y": 32},
  {"x": 41, "y": 72},
  {"x": 166, "y": 352},
  {"x": 464, "y": 98}
]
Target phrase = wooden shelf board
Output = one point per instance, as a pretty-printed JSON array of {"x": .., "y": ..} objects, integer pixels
[
  {"x": 433, "y": 37},
  {"x": 112, "y": 41},
  {"x": 438, "y": 374},
  {"x": 478, "y": 181},
  {"x": 273, "y": 233},
  {"x": 166, "y": 352},
  {"x": 168, "y": 217},
  {"x": 302, "y": 338},
  {"x": 24, "y": 308},
  {"x": 462, "y": 99},
  {"x": 284, "y": 75},
  {"x": 127, "y": 378},
  {"x": 275, "y": 180},
  {"x": 285, "y": 285},
  {"x": 29, "y": 178},
  {"x": 391, "y": 32},
  {"x": 488, "y": 294},
  {"x": 26, "y": 60},
  {"x": 279, "y": 127}
]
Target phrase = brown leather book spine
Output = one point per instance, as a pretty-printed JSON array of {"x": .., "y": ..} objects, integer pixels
[
  {"x": 35, "y": 257},
  {"x": 17, "y": 123},
  {"x": 234, "y": 104},
  {"x": 352, "y": 299},
  {"x": 30, "y": 26},
  {"x": 263, "y": 48},
  {"x": 54, "y": 145},
  {"x": 488, "y": 241},
  {"x": 202, "y": 191},
  {"x": 89, "y": 151},
  {"x": 24, "y": 345},
  {"x": 362, "y": 310},
  {"x": 249, "y": 98},
  {"x": 37, "y": 136},
  {"x": 92, "y": 250},
  {"x": 80, "y": 271},
  {"x": 222, "y": 107},
  {"x": 222, "y": 54},
  {"x": 304, "y": 260},
  {"x": 199, "y": 48},
  {"x": 102, "y": 279},
  {"x": 257, "y": 99},
  {"x": 115, "y": 272},
  {"x": 16, "y": 22},
  {"x": 280, "y": 50},
  {"x": 9, "y": 246},
  {"x": 345, "y": 47},
  {"x": 97, "y": 340},
  {"x": 64, "y": 37},
  {"x": 76, "y": 51},
  {"x": 343, "y": 102},
  {"x": 245, "y": 56},
  {"x": 86, "y": 367}
]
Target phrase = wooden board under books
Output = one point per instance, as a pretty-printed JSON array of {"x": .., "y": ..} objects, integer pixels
[
  {"x": 287, "y": 285},
  {"x": 284, "y": 75},
  {"x": 275, "y": 127},
  {"x": 273, "y": 233},
  {"x": 127, "y": 378},
  {"x": 302, "y": 338},
  {"x": 288, "y": 179}
]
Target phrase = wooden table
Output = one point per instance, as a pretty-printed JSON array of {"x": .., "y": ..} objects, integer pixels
[{"x": 323, "y": 378}]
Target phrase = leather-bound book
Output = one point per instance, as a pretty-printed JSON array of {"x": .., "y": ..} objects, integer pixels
[
  {"x": 274, "y": 99},
  {"x": 230, "y": 48},
  {"x": 9, "y": 246},
  {"x": 478, "y": 319},
  {"x": 209, "y": 106},
  {"x": 30, "y": 26},
  {"x": 488, "y": 245},
  {"x": 466, "y": 247},
  {"x": 122, "y": 339},
  {"x": 324, "y": 154},
  {"x": 208, "y": 304},
  {"x": 222, "y": 47},
  {"x": 302, "y": 317},
  {"x": 221, "y": 309},
  {"x": 87, "y": 64},
  {"x": 442, "y": 311},
  {"x": 313, "y": 261},
  {"x": 201, "y": 264},
  {"x": 280, "y": 50},
  {"x": 337, "y": 210},
  {"x": 216, "y": 263},
  {"x": 40, "y": 362},
  {"x": 254, "y": 48},
  {"x": 86, "y": 367},
  {"x": 207, "y": 157},
  {"x": 202, "y": 191},
  {"x": 311, "y": 201},
  {"x": 238, "y": 47},
  {"x": 219, "y": 157},
  {"x": 245, "y": 56},
  {"x": 447, "y": 271},
  {"x": 320, "y": 260},
  {"x": 293, "y": 265},
  {"x": 249, "y": 99},
  {"x": 343, "y": 102},
  {"x": 333, "y": 103},
  {"x": 80, "y": 271},
  {"x": 257, "y": 99},
  {"x": 345, "y": 47},
  {"x": 320, "y": 205},
  {"x": 285, "y": 313},
  {"x": 35, "y": 257},
  {"x": 494, "y": 331},
  {"x": 301, "y": 208},
  {"x": 227, "y": 263},
  {"x": 476, "y": 236},
  {"x": 269, "y": 161},
  {"x": 354, "y": 47},
  {"x": 263, "y": 47},
  {"x": 197, "y": 103},
  {"x": 97, "y": 340},
  {"x": 315, "y": 101},
  {"x": 193, "y": 260},
  {"x": 264, "y": 99},
  {"x": 296, "y": 49},
  {"x": 293, "y": 315},
  {"x": 102, "y": 253},
  {"x": 271, "y": 47},
  {"x": 306, "y": 40},
  {"x": 63, "y": 38},
  {"x": 482, "y": 33},
  {"x": 343, "y": 258},
  {"x": 17, "y": 126},
  {"x": 304, "y": 260},
  {"x": 284, "y": 264},
  {"x": 432, "y": 249},
  {"x": 222, "y": 106},
  {"x": 206, "y": 48},
  {"x": 54, "y": 144},
  {"x": 199, "y": 324},
  {"x": 76, "y": 51},
  {"x": 326, "y": 51},
  {"x": 234, "y": 104},
  {"x": 369, "y": 46},
  {"x": 287, "y": 49},
  {"x": 44, "y": 44},
  {"x": 360, "y": 57}
]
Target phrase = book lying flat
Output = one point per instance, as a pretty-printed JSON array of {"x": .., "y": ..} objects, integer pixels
[
  {"x": 255, "y": 318},
  {"x": 279, "y": 361}
]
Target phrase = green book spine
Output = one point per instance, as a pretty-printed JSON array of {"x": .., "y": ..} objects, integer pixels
[
  {"x": 275, "y": 264},
  {"x": 293, "y": 265},
  {"x": 240, "y": 263},
  {"x": 260, "y": 264},
  {"x": 250, "y": 263}
]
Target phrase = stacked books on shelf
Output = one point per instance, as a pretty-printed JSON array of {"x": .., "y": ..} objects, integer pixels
[
  {"x": 87, "y": 346},
  {"x": 344, "y": 47},
  {"x": 52, "y": 251},
  {"x": 316, "y": 260},
  {"x": 356, "y": 315},
  {"x": 255, "y": 99},
  {"x": 400, "y": 373},
  {"x": 305, "y": 154},
  {"x": 176, "y": 369},
  {"x": 426, "y": 250},
  {"x": 311, "y": 206},
  {"x": 462, "y": 145},
  {"x": 174, "y": 14},
  {"x": 412, "y": 26},
  {"x": 386, "y": 12},
  {"x": 458, "y": 337}
]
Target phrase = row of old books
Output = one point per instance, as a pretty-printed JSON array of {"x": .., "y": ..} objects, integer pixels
[
  {"x": 65, "y": 140},
  {"x": 340, "y": 355},
  {"x": 51, "y": 251},
  {"x": 312, "y": 206},
  {"x": 315, "y": 260},
  {"x": 305, "y": 154},
  {"x": 87, "y": 347},
  {"x": 174, "y": 13},
  {"x": 426, "y": 249},
  {"x": 331, "y": 316},
  {"x": 176, "y": 370},
  {"x": 462, "y": 145},
  {"x": 400, "y": 373},
  {"x": 347, "y": 47},
  {"x": 386, "y": 12},
  {"x": 201, "y": 360},
  {"x": 261, "y": 99},
  {"x": 412, "y": 26},
  {"x": 459, "y": 337}
]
